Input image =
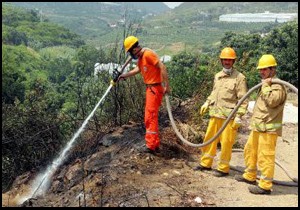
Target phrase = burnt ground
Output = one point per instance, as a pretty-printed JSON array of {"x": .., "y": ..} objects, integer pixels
[{"x": 117, "y": 174}]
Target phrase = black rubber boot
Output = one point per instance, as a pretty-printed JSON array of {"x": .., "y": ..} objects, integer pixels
[
  {"x": 259, "y": 191},
  {"x": 240, "y": 178},
  {"x": 218, "y": 173},
  {"x": 201, "y": 168}
]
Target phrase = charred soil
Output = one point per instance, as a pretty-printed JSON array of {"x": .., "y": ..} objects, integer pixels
[{"x": 116, "y": 174}]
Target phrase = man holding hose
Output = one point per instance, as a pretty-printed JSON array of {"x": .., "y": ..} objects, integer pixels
[
  {"x": 155, "y": 77},
  {"x": 266, "y": 126},
  {"x": 229, "y": 87}
]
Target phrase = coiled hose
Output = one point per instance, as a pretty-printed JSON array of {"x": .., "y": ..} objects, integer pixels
[{"x": 278, "y": 81}]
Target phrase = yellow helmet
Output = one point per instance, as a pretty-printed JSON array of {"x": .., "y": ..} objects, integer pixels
[
  {"x": 228, "y": 53},
  {"x": 129, "y": 42},
  {"x": 266, "y": 61}
]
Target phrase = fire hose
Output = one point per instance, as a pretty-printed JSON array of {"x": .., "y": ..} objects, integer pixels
[{"x": 278, "y": 81}]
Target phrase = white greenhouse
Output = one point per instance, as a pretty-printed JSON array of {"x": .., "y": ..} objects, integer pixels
[{"x": 259, "y": 17}]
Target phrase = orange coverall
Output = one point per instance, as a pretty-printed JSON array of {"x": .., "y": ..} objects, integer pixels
[{"x": 154, "y": 93}]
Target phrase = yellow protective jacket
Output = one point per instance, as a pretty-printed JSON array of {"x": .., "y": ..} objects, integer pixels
[
  {"x": 227, "y": 90},
  {"x": 268, "y": 109}
]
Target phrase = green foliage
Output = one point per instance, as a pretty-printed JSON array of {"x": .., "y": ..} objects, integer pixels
[
  {"x": 281, "y": 41},
  {"x": 12, "y": 15},
  {"x": 94, "y": 19},
  {"x": 192, "y": 26},
  {"x": 24, "y": 27},
  {"x": 241, "y": 43},
  {"x": 30, "y": 131},
  {"x": 58, "y": 62},
  {"x": 187, "y": 72},
  {"x": 59, "y": 69},
  {"x": 12, "y": 36},
  {"x": 46, "y": 34},
  {"x": 63, "y": 51},
  {"x": 33, "y": 128},
  {"x": 86, "y": 57},
  {"x": 18, "y": 65}
]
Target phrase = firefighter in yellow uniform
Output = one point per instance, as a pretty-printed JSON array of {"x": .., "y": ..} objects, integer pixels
[
  {"x": 229, "y": 87},
  {"x": 266, "y": 126}
]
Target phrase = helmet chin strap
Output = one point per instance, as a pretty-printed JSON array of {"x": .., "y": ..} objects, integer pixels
[{"x": 135, "y": 56}]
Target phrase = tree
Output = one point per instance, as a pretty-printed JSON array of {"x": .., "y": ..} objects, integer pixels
[
  {"x": 282, "y": 42},
  {"x": 187, "y": 73},
  {"x": 13, "y": 86}
]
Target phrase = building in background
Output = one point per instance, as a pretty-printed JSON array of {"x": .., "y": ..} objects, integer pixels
[{"x": 259, "y": 17}]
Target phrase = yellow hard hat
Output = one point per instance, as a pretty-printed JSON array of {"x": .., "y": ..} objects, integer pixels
[
  {"x": 228, "y": 53},
  {"x": 266, "y": 61},
  {"x": 129, "y": 42}
]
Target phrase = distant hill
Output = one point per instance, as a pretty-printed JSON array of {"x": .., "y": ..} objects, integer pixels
[
  {"x": 192, "y": 10},
  {"x": 237, "y": 7},
  {"x": 92, "y": 19},
  {"x": 195, "y": 26},
  {"x": 190, "y": 26}
]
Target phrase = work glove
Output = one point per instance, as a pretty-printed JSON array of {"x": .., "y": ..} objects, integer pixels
[
  {"x": 237, "y": 122},
  {"x": 204, "y": 108},
  {"x": 116, "y": 75}
]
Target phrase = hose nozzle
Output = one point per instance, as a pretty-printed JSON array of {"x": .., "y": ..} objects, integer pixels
[{"x": 112, "y": 82}]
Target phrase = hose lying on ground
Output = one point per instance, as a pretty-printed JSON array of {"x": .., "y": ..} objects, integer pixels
[{"x": 278, "y": 81}]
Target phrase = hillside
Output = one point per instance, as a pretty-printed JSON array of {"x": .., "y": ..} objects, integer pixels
[
  {"x": 195, "y": 26},
  {"x": 94, "y": 19},
  {"x": 116, "y": 174},
  {"x": 191, "y": 26},
  {"x": 215, "y": 9}
]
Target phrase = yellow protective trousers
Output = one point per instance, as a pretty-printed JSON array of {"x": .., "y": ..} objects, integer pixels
[
  {"x": 226, "y": 138},
  {"x": 154, "y": 96},
  {"x": 260, "y": 150}
]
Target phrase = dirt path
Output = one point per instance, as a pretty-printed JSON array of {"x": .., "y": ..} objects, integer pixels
[{"x": 228, "y": 192}]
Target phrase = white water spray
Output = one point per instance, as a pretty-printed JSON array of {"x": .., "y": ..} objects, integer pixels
[{"x": 42, "y": 181}]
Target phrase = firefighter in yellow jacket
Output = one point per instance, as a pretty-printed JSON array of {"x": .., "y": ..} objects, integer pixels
[
  {"x": 229, "y": 87},
  {"x": 266, "y": 126}
]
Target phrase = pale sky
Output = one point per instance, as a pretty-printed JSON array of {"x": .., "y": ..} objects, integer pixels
[{"x": 173, "y": 4}]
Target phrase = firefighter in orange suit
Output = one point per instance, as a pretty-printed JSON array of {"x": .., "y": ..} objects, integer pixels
[
  {"x": 155, "y": 77},
  {"x": 229, "y": 87},
  {"x": 266, "y": 126}
]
